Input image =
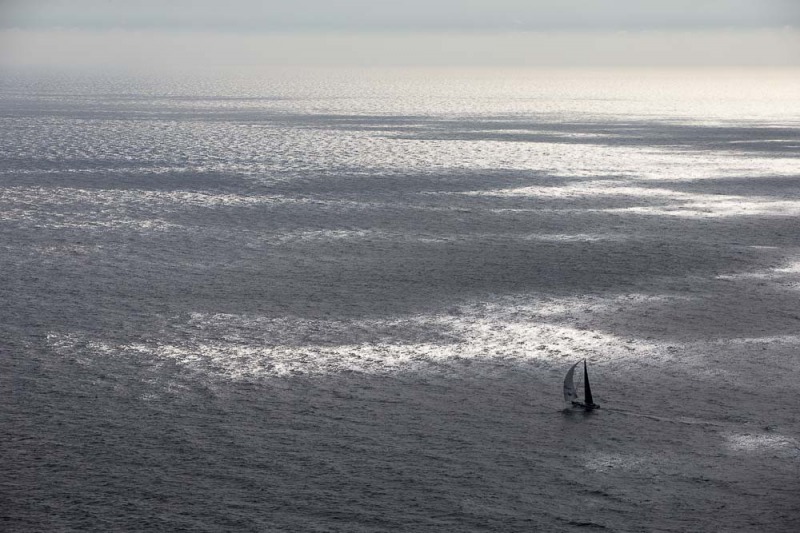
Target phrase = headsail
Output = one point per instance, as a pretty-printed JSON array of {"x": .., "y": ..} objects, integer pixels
[{"x": 569, "y": 385}]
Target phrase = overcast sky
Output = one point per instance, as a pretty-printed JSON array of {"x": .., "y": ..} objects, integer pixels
[
  {"x": 378, "y": 15},
  {"x": 390, "y": 32}
]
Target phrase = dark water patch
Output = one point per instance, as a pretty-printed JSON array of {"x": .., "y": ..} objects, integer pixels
[
  {"x": 170, "y": 273},
  {"x": 723, "y": 309},
  {"x": 746, "y": 138},
  {"x": 119, "y": 176}
]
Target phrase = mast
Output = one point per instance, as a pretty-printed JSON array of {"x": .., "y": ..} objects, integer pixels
[{"x": 587, "y": 389}]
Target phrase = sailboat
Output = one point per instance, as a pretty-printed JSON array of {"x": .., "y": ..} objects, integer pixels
[{"x": 571, "y": 395}]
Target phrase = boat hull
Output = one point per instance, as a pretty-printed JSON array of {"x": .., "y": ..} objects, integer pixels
[{"x": 584, "y": 406}]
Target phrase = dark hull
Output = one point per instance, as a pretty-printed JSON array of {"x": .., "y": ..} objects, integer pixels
[{"x": 585, "y": 406}]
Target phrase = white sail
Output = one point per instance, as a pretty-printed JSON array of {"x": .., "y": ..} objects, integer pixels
[{"x": 569, "y": 385}]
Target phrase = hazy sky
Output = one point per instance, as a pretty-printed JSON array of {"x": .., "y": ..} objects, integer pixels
[
  {"x": 391, "y": 32},
  {"x": 259, "y": 15}
]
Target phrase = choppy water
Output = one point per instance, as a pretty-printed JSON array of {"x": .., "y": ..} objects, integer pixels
[{"x": 346, "y": 301}]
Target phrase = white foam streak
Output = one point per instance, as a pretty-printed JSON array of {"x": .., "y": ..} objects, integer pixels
[
  {"x": 245, "y": 347},
  {"x": 763, "y": 443},
  {"x": 673, "y": 203}
]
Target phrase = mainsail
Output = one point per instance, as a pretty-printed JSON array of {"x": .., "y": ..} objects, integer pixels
[
  {"x": 569, "y": 385},
  {"x": 587, "y": 389}
]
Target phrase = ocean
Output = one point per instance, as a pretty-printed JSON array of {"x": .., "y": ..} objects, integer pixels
[{"x": 346, "y": 300}]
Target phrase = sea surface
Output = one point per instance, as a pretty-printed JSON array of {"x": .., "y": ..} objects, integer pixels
[{"x": 346, "y": 300}]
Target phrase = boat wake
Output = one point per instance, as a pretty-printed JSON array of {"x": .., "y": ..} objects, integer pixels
[{"x": 674, "y": 420}]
